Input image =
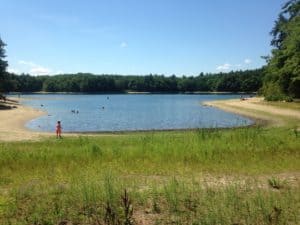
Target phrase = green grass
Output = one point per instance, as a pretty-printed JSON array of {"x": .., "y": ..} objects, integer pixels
[{"x": 83, "y": 179}]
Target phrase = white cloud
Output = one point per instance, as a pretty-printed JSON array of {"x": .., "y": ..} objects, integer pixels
[
  {"x": 124, "y": 44},
  {"x": 39, "y": 70},
  {"x": 35, "y": 69},
  {"x": 247, "y": 61},
  {"x": 224, "y": 67},
  {"x": 237, "y": 66},
  {"x": 13, "y": 70}
]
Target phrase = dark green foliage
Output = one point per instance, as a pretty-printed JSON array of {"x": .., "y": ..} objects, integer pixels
[
  {"x": 238, "y": 81},
  {"x": 295, "y": 87},
  {"x": 3, "y": 66},
  {"x": 273, "y": 92},
  {"x": 3, "y": 63},
  {"x": 283, "y": 67}
]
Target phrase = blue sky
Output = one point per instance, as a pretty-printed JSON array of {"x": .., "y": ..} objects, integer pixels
[{"x": 136, "y": 36}]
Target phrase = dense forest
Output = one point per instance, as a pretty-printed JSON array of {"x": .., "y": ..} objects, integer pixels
[{"x": 239, "y": 81}]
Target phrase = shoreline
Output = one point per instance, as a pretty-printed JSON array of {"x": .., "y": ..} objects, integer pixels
[
  {"x": 136, "y": 92},
  {"x": 14, "y": 120},
  {"x": 124, "y": 132},
  {"x": 255, "y": 109},
  {"x": 222, "y": 104}
]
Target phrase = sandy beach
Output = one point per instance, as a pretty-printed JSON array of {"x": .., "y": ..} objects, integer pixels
[
  {"x": 13, "y": 123},
  {"x": 256, "y": 109}
]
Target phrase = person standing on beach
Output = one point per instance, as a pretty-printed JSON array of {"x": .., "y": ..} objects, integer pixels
[{"x": 58, "y": 129}]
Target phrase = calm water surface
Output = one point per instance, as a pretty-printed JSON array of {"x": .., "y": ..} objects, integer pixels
[{"x": 121, "y": 112}]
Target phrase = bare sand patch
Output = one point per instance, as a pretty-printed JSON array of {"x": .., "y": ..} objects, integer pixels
[
  {"x": 254, "y": 108},
  {"x": 12, "y": 125}
]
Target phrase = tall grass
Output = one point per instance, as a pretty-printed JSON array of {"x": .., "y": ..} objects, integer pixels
[
  {"x": 82, "y": 180},
  {"x": 244, "y": 150},
  {"x": 90, "y": 202}
]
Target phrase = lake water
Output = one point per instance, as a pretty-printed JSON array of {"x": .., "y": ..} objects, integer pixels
[{"x": 127, "y": 112}]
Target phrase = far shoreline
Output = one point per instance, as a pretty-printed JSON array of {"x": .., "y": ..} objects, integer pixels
[{"x": 136, "y": 92}]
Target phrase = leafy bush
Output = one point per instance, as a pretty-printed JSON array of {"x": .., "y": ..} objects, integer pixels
[{"x": 272, "y": 92}]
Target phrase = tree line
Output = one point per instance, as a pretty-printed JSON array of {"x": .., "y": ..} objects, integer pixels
[{"x": 237, "y": 81}]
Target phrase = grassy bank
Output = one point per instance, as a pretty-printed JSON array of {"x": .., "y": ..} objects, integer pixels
[{"x": 193, "y": 177}]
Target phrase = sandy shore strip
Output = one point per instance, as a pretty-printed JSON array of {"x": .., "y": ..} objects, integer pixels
[
  {"x": 257, "y": 110},
  {"x": 13, "y": 121}
]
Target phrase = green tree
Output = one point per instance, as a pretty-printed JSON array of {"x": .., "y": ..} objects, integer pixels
[
  {"x": 283, "y": 69},
  {"x": 249, "y": 80},
  {"x": 3, "y": 66}
]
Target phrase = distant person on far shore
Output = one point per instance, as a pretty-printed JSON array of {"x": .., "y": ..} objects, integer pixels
[{"x": 58, "y": 129}]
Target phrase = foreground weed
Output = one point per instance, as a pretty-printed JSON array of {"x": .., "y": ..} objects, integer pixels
[
  {"x": 276, "y": 183},
  {"x": 156, "y": 201},
  {"x": 128, "y": 209},
  {"x": 296, "y": 131},
  {"x": 126, "y": 218},
  {"x": 274, "y": 216}
]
